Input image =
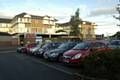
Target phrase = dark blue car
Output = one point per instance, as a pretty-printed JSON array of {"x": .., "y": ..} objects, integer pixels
[
  {"x": 57, "y": 54},
  {"x": 47, "y": 47},
  {"x": 114, "y": 44}
]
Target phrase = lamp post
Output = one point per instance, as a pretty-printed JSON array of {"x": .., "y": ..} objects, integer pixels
[
  {"x": 117, "y": 17},
  {"x": 118, "y": 10},
  {"x": 49, "y": 28}
]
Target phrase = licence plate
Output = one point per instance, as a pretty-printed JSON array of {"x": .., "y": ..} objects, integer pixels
[{"x": 67, "y": 61}]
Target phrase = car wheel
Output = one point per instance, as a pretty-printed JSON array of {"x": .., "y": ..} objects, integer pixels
[
  {"x": 17, "y": 51},
  {"x": 22, "y": 51},
  {"x": 60, "y": 58}
]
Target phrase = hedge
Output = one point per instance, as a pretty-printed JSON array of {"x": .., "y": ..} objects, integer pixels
[{"x": 103, "y": 65}]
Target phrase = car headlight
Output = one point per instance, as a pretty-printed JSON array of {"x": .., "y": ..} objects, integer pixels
[
  {"x": 41, "y": 51},
  {"x": 34, "y": 50},
  {"x": 30, "y": 50},
  {"x": 77, "y": 56},
  {"x": 53, "y": 54}
]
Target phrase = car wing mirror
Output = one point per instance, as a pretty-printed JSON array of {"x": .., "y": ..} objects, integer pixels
[{"x": 93, "y": 49}]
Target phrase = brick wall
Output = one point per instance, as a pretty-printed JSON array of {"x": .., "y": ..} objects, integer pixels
[
  {"x": 15, "y": 42},
  {"x": 5, "y": 43},
  {"x": 8, "y": 41}
]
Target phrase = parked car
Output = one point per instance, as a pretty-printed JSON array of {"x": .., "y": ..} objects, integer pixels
[
  {"x": 81, "y": 50},
  {"x": 114, "y": 44},
  {"x": 32, "y": 50},
  {"x": 47, "y": 47},
  {"x": 25, "y": 48},
  {"x": 19, "y": 49},
  {"x": 57, "y": 54}
]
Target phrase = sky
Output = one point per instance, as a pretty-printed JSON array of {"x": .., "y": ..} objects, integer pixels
[{"x": 100, "y": 12}]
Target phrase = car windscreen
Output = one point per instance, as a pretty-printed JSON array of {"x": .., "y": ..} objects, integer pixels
[
  {"x": 46, "y": 46},
  {"x": 66, "y": 45},
  {"x": 115, "y": 43},
  {"x": 81, "y": 46}
]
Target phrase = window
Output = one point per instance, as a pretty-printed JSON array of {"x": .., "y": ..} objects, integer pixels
[{"x": 98, "y": 45}]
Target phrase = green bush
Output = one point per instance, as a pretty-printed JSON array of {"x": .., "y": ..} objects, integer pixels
[{"x": 103, "y": 64}]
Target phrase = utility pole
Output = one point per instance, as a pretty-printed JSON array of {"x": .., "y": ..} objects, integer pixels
[
  {"x": 118, "y": 10},
  {"x": 117, "y": 17}
]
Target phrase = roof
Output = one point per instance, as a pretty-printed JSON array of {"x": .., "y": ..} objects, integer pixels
[
  {"x": 64, "y": 24},
  {"x": 87, "y": 22},
  {"x": 21, "y": 15},
  {"x": 36, "y": 17},
  {"x": 32, "y": 16},
  {"x": 14, "y": 34},
  {"x": 3, "y": 20},
  {"x": 68, "y": 23},
  {"x": 4, "y": 34}
]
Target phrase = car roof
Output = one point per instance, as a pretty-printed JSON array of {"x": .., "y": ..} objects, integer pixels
[{"x": 97, "y": 41}]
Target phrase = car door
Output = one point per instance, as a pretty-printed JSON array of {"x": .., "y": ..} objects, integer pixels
[{"x": 99, "y": 47}]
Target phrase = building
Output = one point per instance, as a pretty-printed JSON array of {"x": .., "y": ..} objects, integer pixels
[
  {"x": 5, "y": 25},
  {"x": 87, "y": 29},
  {"x": 101, "y": 37},
  {"x": 63, "y": 28},
  {"x": 27, "y": 23}
]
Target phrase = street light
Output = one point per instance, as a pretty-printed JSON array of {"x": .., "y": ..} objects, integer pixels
[{"x": 118, "y": 10}]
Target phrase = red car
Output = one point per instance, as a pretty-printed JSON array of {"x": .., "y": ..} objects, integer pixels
[
  {"x": 25, "y": 48},
  {"x": 81, "y": 50}
]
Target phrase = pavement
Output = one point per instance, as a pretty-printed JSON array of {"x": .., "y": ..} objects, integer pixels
[
  {"x": 15, "y": 66},
  {"x": 8, "y": 48}
]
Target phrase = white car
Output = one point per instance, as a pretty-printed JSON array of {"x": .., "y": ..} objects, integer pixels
[{"x": 33, "y": 49}]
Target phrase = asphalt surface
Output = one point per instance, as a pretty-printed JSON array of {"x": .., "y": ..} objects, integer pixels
[{"x": 15, "y": 66}]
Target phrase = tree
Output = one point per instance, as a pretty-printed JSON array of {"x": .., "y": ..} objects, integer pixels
[
  {"x": 74, "y": 23},
  {"x": 116, "y": 35}
]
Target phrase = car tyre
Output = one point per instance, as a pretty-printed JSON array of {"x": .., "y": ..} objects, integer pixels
[{"x": 60, "y": 58}]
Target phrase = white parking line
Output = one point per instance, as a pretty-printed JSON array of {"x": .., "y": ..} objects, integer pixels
[
  {"x": 6, "y": 52},
  {"x": 54, "y": 67}
]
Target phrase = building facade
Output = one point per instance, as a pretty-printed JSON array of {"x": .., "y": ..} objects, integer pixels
[
  {"x": 64, "y": 28},
  {"x": 5, "y": 25},
  {"x": 26, "y": 23},
  {"x": 87, "y": 29}
]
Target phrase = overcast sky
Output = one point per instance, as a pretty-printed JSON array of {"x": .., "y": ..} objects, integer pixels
[{"x": 98, "y": 11}]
